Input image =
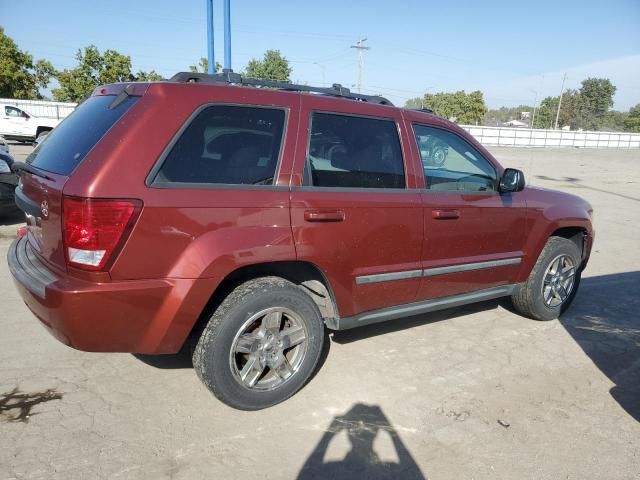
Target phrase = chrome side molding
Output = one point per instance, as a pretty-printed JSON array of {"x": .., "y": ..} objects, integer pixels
[{"x": 430, "y": 272}]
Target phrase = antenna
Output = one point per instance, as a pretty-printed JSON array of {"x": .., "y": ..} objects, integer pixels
[{"x": 361, "y": 48}]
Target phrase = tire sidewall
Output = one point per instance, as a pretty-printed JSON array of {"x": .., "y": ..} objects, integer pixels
[
  {"x": 542, "y": 310},
  {"x": 215, "y": 347}
]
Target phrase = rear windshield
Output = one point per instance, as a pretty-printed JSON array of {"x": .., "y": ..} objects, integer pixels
[{"x": 67, "y": 144}]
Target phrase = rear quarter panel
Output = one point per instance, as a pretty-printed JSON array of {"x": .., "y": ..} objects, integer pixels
[{"x": 194, "y": 232}]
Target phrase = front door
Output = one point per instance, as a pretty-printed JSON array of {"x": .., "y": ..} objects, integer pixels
[
  {"x": 474, "y": 236},
  {"x": 357, "y": 214}
]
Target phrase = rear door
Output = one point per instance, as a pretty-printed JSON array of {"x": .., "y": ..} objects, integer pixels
[
  {"x": 356, "y": 212},
  {"x": 474, "y": 236},
  {"x": 40, "y": 195}
]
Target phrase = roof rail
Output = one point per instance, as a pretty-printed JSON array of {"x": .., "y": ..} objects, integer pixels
[
  {"x": 231, "y": 78},
  {"x": 425, "y": 110}
]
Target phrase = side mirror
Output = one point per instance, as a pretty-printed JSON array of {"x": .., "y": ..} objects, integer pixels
[{"x": 512, "y": 181}]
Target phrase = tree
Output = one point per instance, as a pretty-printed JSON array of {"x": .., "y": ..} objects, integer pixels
[
  {"x": 632, "y": 122},
  {"x": 203, "y": 66},
  {"x": 273, "y": 66},
  {"x": 458, "y": 106},
  {"x": 571, "y": 111},
  {"x": 597, "y": 98},
  {"x": 95, "y": 69},
  {"x": 20, "y": 77},
  {"x": 615, "y": 121}
]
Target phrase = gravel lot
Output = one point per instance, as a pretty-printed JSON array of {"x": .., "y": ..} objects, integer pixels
[{"x": 473, "y": 393}]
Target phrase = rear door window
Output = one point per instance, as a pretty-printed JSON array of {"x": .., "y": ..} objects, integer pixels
[
  {"x": 226, "y": 144},
  {"x": 69, "y": 142},
  {"x": 354, "y": 152}
]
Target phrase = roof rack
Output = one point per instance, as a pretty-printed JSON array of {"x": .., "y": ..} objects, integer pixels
[
  {"x": 425, "y": 110},
  {"x": 231, "y": 78}
]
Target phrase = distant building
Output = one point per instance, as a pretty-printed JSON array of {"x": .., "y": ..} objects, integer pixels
[
  {"x": 516, "y": 123},
  {"x": 525, "y": 115}
]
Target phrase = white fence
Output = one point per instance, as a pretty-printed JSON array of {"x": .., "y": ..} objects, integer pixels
[
  {"x": 42, "y": 108},
  {"x": 527, "y": 137}
]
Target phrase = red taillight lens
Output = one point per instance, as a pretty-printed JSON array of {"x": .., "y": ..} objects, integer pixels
[{"x": 94, "y": 229}]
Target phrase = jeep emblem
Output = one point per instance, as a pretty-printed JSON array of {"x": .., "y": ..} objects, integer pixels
[{"x": 44, "y": 208}]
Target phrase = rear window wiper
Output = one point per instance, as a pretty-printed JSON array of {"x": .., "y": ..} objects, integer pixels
[{"x": 26, "y": 167}]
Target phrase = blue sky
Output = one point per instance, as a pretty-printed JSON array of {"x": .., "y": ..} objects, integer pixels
[{"x": 508, "y": 50}]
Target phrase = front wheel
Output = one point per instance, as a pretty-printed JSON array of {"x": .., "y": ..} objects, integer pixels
[
  {"x": 553, "y": 282},
  {"x": 261, "y": 345}
]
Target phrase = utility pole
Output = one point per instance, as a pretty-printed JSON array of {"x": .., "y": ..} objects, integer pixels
[
  {"x": 227, "y": 36},
  {"x": 361, "y": 48},
  {"x": 210, "y": 54},
  {"x": 564, "y": 77},
  {"x": 535, "y": 106}
]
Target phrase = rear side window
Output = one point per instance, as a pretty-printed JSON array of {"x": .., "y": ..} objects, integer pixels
[
  {"x": 69, "y": 142},
  {"x": 354, "y": 152},
  {"x": 227, "y": 145}
]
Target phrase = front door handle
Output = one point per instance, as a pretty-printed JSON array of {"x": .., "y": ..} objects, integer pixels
[
  {"x": 445, "y": 214},
  {"x": 324, "y": 215}
]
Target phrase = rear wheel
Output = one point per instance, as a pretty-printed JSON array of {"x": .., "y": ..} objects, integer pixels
[
  {"x": 261, "y": 345},
  {"x": 553, "y": 282}
]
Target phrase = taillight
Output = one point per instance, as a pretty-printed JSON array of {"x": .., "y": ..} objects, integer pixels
[{"x": 94, "y": 229}]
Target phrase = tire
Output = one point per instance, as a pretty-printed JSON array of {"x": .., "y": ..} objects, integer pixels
[
  {"x": 543, "y": 300},
  {"x": 242, "y": 324},
  {"x": 439, "y": 155}
]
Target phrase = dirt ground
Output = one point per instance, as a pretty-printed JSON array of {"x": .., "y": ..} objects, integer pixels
[{"x": 473, "y": 393}]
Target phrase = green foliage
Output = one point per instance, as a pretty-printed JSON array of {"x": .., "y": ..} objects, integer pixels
[
  {"x": 545, "y": 115},
  {"x": 632, "y": 122},
  {"x": 273, "y": 66},
  {"x": 203, "y": 66},
  {"x": 587, "y": 108},
  {"x": 597, "y": 98},
  {"x": 95, "y": 69},
  {"x": 615, "y": 121},
  {"x": 20, "y": 77},
  {"x": 151, "y": 76},
  {"x": 460, "y": 107}
]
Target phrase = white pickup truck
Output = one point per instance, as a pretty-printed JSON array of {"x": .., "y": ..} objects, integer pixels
[{"x": 16, "y": 124}]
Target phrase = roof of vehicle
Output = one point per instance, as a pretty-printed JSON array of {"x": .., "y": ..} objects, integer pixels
[{"x": 230, "y": 78}]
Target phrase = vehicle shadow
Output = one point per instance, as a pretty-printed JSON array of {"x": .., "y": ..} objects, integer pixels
[
  {"x": 362, "y": 424},
  {"x": 604, "y": 320},
  {"x": 368, "y": 331},
  {"x": 577, "y": 182}
]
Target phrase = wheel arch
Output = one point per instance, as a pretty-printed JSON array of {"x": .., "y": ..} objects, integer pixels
[{"x": 306, "y": 275}]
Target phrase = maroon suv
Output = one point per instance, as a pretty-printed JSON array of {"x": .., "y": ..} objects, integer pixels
[{"x": 248, "y": 219}]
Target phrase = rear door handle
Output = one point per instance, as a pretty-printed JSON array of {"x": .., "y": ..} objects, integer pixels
[
  {"x": 445, "y": 214},
  {"x": 324, "y": 215}
]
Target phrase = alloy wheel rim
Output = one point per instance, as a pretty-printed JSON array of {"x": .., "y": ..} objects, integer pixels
[
  {"x": 558, "y": 281},
  {"x": 269, "y": 349},
  {"x": 438, "y": 156}
]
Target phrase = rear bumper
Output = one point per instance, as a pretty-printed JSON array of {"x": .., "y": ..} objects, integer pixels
[{"x": 136, "y": 316}]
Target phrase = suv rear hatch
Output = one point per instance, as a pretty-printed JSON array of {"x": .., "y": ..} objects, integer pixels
[{"x": 52, "y": 162}]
